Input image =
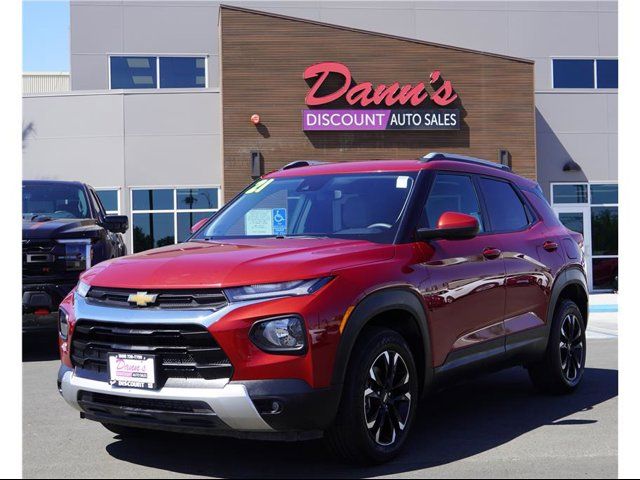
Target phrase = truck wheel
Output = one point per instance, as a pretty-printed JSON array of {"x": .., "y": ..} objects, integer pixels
[
  {"x": 563, "y": 366},
  {"x": 131, "y": 432},
  {"x": 379, "y": 399}
]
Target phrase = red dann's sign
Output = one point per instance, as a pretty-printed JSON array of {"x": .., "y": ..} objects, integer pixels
[{"x": 366, "y": 94}]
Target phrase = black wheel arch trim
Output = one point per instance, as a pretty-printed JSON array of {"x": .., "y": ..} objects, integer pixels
[
  {"x": 569, "y": 276},
  {"x": 374, "y": 304}
]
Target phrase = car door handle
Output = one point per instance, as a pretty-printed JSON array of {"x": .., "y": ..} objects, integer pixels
[
  {"x": 550, "y": 246},
  {"x": 491, "y": 253}
]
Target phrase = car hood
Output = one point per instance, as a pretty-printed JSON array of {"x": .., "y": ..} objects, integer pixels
[
  {"x": 59, "y": 228},
  {"x": 235, "y": 263}
]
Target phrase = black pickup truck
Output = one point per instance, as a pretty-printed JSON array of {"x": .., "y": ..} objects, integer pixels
[{"x": 65, "y": 230}]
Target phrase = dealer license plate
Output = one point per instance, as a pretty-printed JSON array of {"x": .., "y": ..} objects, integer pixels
[{"x": 132, "y": 370}]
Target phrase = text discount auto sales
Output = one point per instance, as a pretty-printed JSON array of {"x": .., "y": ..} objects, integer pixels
[{"x": 364, "y": 94}]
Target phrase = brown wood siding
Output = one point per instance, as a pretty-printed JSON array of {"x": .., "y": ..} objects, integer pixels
[{"x": 263, "y": 59}]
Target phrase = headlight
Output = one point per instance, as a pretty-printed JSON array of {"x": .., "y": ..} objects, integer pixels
[
  {"x": 272, "y": 290},
  {"x": 77, "y": 254},
  {"x": 279, "y": 335},
  {"x": 63, "y": 324},
  {"x": 82, "y": 289}
]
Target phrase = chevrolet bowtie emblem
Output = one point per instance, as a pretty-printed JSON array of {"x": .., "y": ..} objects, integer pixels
[{"x": 142, "y": 299}]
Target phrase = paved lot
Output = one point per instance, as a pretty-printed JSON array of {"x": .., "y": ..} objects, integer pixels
[{"x": 495, "y": 426}]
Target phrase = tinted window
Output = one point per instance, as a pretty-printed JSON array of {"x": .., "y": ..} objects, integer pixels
[
  {"x": 182, "y": 72},
  {"x": 604, "y": 230},
  {"x": 158, "y": 199},
  {"x": 133, "y": 72},
  {"x": 197, "y": 198},
  {"x": 451, "y": 193},
  {"x": 109, "y": 199},
  {"x": 573, "y": 74},
  {"x": 186, "y": 220},
  {"x": 604, "y": 194},
  {"x": 505, "y": 209},
  {"x": 54, "y": 201},
  {"x": 607, "y": 73},
  {"x": 570, "y": 193},
  {"x": 152, "y": 230}
]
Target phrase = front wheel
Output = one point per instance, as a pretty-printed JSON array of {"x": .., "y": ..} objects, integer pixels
[
  {"x": 563, "y": 366},
  {"x": 379, "y": 400}
]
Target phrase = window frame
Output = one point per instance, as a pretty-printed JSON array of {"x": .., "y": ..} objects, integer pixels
[
  {"x": 530, "y": 213},
  {"x": 173, "y": 211},
  {"x": 157, "y": 57},
  {"x": 595, "y": 73},
  {"x": 471, "y": 176}
]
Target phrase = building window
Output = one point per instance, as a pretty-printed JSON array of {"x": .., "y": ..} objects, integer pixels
[
  {"x": 164, "y": 216},
  {"x": 585, "y": 73},
  {"x": 182, "y": 72},
  {"x": 110, "y": 199},
  {"x": 133, "y": 72},
  {"x": 570, "y": 193},
  {"x": 607, "y": 73},
  {"x": 157, "y": 72},
  {"x": 592, "y": 210}
]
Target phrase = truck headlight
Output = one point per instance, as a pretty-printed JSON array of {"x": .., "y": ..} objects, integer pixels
[
  {"x": 63, "y": 323},
  {"x": 82, "y": 288},
  {"x": 77, "y": 254},
  {"x": 273, "y": 290},
  {"x": 280, "y": 335}
]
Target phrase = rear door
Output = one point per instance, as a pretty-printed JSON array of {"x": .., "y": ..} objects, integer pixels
[
  {"x": 465, "y": 285},
  {"x": 528, "y": 256}
]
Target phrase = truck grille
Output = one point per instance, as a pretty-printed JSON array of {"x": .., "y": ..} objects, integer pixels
[
  {"x": 119, "y": 297},
  {"x": 182, "y": 351}
]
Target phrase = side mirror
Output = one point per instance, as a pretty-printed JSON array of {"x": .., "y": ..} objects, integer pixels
[
  {"x": 198, "y": 225},
  {"x": 451, "y": 226},
  {"x": 116, "y": 223}
]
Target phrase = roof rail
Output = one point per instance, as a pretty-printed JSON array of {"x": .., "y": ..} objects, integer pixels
[
  {"x": 434, "y": 156},
  {"x": 301, "y": 163}
]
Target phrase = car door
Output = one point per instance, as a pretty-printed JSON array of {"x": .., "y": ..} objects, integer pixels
[
  {"x": 464, "y": 285},
  {"x": 528, "y": 254}
]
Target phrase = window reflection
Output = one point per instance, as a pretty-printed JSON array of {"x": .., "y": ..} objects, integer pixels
[{"x": 152, "y": 230}]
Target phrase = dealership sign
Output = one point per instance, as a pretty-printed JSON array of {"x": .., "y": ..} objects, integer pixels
[{"x": 405, "y": 103}]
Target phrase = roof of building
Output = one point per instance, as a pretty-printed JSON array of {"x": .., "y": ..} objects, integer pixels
[{"x": 369, "y": 32}]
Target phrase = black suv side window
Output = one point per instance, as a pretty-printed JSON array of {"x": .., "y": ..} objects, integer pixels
[
  {"x": 451, "y": 193},
  {"x": 505, "y": 209}
]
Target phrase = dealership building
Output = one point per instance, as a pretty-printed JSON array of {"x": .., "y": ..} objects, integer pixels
[{"x": 175, "y": 106}]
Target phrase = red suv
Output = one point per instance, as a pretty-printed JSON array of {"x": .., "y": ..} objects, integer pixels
[{"x": 327, "y": 299}]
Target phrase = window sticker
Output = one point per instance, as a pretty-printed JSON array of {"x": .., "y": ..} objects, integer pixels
[
  {"x": 402, "y": 182},
  {"x": 259, "y": 186},
  {"x": 259, "y": 222},
  {"x": 279, "y": 221}
]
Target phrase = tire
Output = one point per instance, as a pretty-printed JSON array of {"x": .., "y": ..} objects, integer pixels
[
  {"x": 130, "y": 432},
  {"x": 373, "y": 420},
  {"x": 561, "y": 371}
]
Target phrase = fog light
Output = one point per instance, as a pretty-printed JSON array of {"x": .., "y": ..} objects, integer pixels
[{"x": 279, "y": 335}]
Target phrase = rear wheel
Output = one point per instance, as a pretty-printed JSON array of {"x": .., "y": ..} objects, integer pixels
[
  {"x": 563, "y": 366},
  {"x": 379, "y": 399}
]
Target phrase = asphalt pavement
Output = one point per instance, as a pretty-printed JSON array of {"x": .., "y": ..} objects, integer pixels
[{"x": 493, "y": 426}]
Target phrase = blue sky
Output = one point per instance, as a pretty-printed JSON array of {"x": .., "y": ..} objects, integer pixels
[{"x": 45, "y": 36}]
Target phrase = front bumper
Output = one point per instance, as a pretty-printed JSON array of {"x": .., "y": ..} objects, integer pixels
[
  {"x": 46, "y": 296},
  {"x": 264, "y": 409}
]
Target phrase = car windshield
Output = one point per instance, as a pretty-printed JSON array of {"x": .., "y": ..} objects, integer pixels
[
  {"x": 353, "y": 206},
  {"x": 49, "y": 200}
]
